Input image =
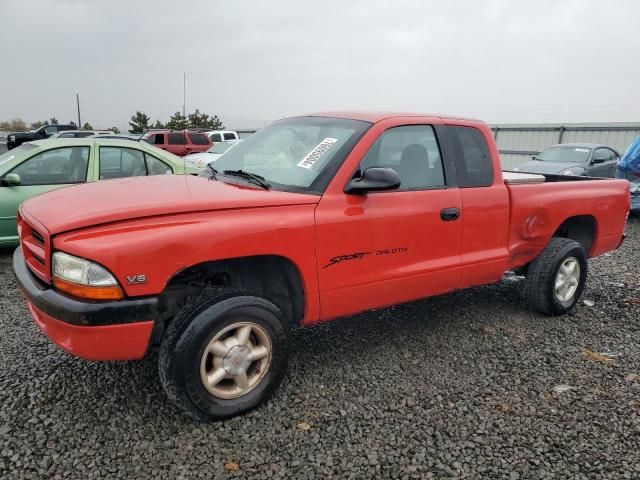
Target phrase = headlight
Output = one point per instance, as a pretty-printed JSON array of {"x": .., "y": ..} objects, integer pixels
[
  {"x": 12, "y": 138},
  {"x": 82, "y": 278},
  {"x": 568, "y": 171}
]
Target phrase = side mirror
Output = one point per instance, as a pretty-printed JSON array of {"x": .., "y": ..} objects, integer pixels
[
  {"x": 374, "y": 179},
  {"x": 12, "y": 180}
]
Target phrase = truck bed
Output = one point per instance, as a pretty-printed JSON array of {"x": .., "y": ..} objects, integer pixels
[{"x": 540, "y": 207}]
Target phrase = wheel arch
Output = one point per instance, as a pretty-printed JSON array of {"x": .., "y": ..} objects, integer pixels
[
  {"x": 581, "y": 228},
  {"x": 274, "y": 277}
]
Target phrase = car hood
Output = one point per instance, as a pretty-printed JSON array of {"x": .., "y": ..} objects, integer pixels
[
  {"x": 537, "y": 166},
  {"x": 109, "y": 201}
]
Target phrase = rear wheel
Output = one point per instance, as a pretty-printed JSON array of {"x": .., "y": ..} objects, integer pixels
[
  {"x": 556, "y": 278},
  {"x": 223, "y": 354}
]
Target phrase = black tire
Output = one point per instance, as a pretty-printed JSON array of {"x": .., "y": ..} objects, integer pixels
[
  {"x": 540, "y": 289},
  {"x": 188, "y": 335}
]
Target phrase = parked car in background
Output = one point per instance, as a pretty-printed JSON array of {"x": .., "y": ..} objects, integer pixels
[
  {"x": 220, "y": 135},
  {"x": 80, "y": 133},
  {"x": 178, "y": 142},
  {"x": 40, "y": 166},
  {"x": 634, "y": 190},
  {"x": 582, "y": 159},
  {"x": 15, "y": 139},
  {"x": 202, "y": 159}
]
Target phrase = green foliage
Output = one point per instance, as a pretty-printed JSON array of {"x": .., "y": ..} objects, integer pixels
[
  {"x": 71, "y": 123},
  {"x": 202, "y": 120},
  {"x": 158, "y": 125},
  {"x": 87, "y": 126},
  {"x": 177, "y": 122},
  {"x": 53, "y": 121},
  {"x": 139, "y": 122},
  {"x": 115, "y": 129}
]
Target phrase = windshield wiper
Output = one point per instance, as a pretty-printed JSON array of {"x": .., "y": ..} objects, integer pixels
[
  {"x": 254, "y": 178},
  {"x": 213, "y": 171}
]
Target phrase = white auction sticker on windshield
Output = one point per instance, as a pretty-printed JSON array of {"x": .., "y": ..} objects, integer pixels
[
  {"x": 314, "y": 155},
  {"x": 585, "y": 150}
]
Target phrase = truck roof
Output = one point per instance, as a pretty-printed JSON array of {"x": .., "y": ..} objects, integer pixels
[{"x": 374, "y": 117}]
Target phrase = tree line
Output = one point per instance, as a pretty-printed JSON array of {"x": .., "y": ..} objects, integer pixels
[{"x": 140, "y": 122}]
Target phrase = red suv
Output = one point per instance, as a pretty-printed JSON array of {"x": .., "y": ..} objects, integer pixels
[{"x": 178, "y": 142}]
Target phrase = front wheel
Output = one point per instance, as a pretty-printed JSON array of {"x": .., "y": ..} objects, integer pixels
[
  {"x": 556, "y": 278},
  {"x": 223, "y": 354}
]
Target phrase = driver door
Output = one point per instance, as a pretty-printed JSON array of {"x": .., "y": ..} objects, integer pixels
[
  {"x": 41, "y": 173},
  {"x": 389, "y": 247}
]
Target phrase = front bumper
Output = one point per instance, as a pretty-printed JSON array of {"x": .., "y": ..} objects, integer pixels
[{"x": 91, "y": 330}]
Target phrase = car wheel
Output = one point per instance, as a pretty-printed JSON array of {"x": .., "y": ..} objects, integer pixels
[
  {"x": 556, "y": 278},
  {"x": 223, "y": 354}
]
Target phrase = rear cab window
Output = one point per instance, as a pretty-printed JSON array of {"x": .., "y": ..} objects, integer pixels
[{"x": 229, "y": 136}]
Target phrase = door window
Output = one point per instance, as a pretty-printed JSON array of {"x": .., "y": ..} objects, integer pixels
[
  {"x": 602, "y": 154},
  {"x": 177, "y": 139},
  {"x": 55, "y": 167},
  {"x": 216, "y": 137},
  {"x": 51, "y": 130},
  {"x": 413, "y": 152},
  {"x": 156, "y": 167},
  {"x": 119, "y": 162},
  {"x": 198, "y": 139}
]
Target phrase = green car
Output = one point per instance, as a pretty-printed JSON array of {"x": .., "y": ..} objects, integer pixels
[{"x": 37, "y": 167}]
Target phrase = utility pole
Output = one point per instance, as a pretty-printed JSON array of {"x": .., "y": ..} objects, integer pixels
[
  {"x": 184, "y": 94},
  {"x": 78, "y": 103}
]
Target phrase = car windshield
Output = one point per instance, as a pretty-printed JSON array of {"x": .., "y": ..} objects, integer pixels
[
  {"x": 220, "y": 147},
  {"x": 565, "y": 154},
  {"x": 293, "y": 154},
  {"x": 18, "y": 152}
]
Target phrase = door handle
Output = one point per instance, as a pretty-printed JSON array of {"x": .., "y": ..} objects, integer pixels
[{"x": 449, "y": 214}]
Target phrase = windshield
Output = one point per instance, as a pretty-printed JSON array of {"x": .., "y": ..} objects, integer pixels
[
  {"x": 565, "y": 154},
  {"x": 19, "y": 152},
  {"x": 221, "y": 147},
  {"x": 296, "y": 152}
]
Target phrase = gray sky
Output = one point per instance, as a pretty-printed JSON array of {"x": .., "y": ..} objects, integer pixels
[{"x": 253, "y": 62}]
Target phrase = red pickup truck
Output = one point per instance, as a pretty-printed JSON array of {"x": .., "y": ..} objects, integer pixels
[{"x": 309, "y": 219}]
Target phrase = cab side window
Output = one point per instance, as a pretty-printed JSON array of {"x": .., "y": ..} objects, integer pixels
[
  {"x": 216, "y": 137},
  {"x": 413, "y": 152},
  {"x": 473, "y": 160},
  {"x": 55, "y": 167}
]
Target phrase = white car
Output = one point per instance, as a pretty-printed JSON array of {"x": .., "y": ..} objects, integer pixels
[{"x": 202, "y": 159}]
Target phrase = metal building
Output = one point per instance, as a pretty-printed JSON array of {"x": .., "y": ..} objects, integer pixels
[{"x": 519, "y": 142}]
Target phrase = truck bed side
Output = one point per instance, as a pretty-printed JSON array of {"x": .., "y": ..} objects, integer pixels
[{"x": 541, "y": 211}]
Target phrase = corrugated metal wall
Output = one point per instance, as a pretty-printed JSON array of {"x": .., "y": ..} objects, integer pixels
[{"x": 519, "y": 142}]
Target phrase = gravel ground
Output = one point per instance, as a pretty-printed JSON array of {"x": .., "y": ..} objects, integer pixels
[{"x": 459, "y": 386}]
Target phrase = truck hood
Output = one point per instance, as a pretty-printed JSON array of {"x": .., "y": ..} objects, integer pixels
[
  {"x": 109, "y": 201},
  {"x": 537, "y": 166}
]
